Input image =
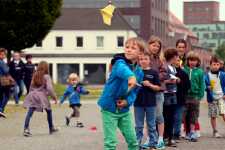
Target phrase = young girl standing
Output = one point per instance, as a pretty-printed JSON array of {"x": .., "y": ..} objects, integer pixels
[
  {"x": 195, "y": 93},
  {"x": 37, "y": 99}
]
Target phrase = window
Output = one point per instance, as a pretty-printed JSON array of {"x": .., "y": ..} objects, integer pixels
[
  {"x": 120, "y": 41},
  {"x": 39, "y": 44},
  {"x": 80, "y": 41},
  {"x": 100, "y": 41},
  {"x": 59, "y": 41}
]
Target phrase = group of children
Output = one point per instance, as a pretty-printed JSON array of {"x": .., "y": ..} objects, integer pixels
[
  {"x": 166, "y": 92},
  {"x": 165, "y": 89}
]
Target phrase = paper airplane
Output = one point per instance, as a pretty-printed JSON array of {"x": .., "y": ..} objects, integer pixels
[{"x": 107, "y": 14}]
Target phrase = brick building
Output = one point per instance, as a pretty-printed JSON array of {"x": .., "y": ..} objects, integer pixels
[{"x": 201, "y": 12}]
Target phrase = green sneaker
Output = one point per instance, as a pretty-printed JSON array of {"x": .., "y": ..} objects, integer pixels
[{"x": 160, "y": 145}]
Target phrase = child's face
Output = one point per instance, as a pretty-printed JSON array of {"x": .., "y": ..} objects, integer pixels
[
  {"x": 2, "y": 55},
  {"x": 154, "y": 48},
  {"x": 177, "y": 62},
  {"x": 215, "y": 66},
  {"x": 192, "y": 63},
  {"x": 73, "y": 81},
  {"x": 132, "y": 51},
  {"x": 174, "y": 60},
  {"x": 181, "y": 49},
  {"x": 144, "y": 61}
]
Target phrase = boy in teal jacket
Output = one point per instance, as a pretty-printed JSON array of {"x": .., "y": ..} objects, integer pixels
[
  {"x": 195, "y": 93},
  {"x": 119, "y": 94}
]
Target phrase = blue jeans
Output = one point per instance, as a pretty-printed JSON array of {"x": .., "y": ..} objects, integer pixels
[
  {"x": 150, "y": 113},
  {"x": 18, "y": 90},
  {"x": 159, "y": 108},
  {"x": 4, "y": 97},
  {"x": 179, "y": 109},
  {"x": 30, "y": 113}
]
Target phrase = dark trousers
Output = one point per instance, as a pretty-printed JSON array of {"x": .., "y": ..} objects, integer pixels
[
  {"x": 30, "y": 113},
  {"x": 168, "y": 113},
  {"x": 4, "y": 97},
  {"x": 27, "y": 83}
]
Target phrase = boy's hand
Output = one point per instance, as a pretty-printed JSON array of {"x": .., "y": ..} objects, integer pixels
[
  {"x": 146, "y": 83},
  {"x": 121, "y": 103},
  {"x": 131, "y": 83}
]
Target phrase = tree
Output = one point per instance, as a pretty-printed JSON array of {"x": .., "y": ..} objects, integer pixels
[
  {"x": 23, "y": 23},
  {"x": 220, "y": 52}
]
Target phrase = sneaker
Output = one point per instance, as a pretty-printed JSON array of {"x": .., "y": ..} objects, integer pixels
[
  {"x": 198, "y": 134},
  {"x": 146, "y": 145},
  {"x": 80, "y": 125},
  {"x": 193, "y": 137},
  {"x": 216, "y": 135},
  {"x": 67, "y": 121},
  {"x": 27, "y": 133},
  {"x": 171, "y": 143},
  {"x": 2, "y": 115},
  {"x": 53, "y": 130},
  {"x": 160, "y": 145}
]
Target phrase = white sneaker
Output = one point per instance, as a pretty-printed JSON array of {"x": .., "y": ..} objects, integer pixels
[
  {"x": 2, "y": 115},
  {"x": 216, "y": 135},
  {"x": 198, "y": 134}
]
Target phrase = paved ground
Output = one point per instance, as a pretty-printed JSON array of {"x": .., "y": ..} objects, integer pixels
[{"x": 72, "y": 138}]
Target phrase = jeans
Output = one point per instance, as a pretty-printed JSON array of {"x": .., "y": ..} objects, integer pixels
[
  {"x": 178, "y": 116},
  {"x": 18, "y": 90},
  {"x": 159, "y": 108},
  {"x": 29, "y": 116},
  {"x": 4, "y": 97},
  {"x": 150, "y": 113},
  {"x": 125, "y": 123}
]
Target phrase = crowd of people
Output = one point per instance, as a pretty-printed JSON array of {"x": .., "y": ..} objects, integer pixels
[
  {"x": 164, "y": 86},
  {"x": 20, "y": 73}
]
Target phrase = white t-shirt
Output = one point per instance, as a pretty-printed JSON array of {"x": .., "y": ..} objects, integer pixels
[{"x": 215, "y": 86}]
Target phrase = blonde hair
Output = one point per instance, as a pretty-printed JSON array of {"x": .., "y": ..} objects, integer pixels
[
  {"x": 155, "y": 39},
  {"x": 73, "y": 76},
  {"x": 193, "y": 56},
  {"x": 38, "y": 77},
  {"x": 140, "y": 43}
]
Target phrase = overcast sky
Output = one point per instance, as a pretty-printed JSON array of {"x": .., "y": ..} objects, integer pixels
[{"x": 176, "y": 6}]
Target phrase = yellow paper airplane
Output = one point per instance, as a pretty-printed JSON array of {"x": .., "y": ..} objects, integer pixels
[{"x": 107, "y": 13}]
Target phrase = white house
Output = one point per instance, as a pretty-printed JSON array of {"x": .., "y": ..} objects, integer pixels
[{"x": 80, "y": 42}]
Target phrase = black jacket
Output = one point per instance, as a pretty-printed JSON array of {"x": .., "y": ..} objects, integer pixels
[
  {"x": 28, "y": 71},
  {"x": 183, "y": 86},
  {"x": 16, "y": 70}
]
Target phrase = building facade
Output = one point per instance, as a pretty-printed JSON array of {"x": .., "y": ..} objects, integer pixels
[
  {"x": 79, "y": 42},
  {"x": 210, "y": 35},
  {"x": 201, "y": 12},
  {"x": 146, "y": 17}
]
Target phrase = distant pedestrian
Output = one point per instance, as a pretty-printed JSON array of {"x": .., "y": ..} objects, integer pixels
[
  {"x": 29, "y": 68},
  {"x": 37, "y": 98},
  {"x": 16, "y": 70}
]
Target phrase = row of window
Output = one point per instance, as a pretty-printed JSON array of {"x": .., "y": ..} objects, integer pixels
[{"x": 80, "y": 41}]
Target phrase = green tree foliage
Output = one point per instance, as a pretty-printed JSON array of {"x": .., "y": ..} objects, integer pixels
[
  {"x": 220, "y": 52},
  {"x": 25, "y": 22}
]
